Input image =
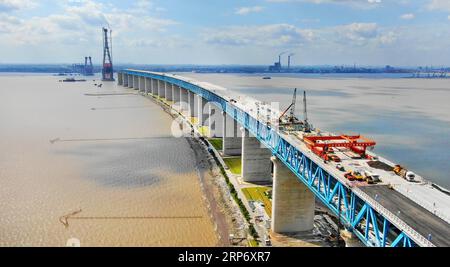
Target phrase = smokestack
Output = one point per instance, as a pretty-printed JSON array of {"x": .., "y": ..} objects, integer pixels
[
  {"x": 289, "y": 60},
  {"x": 279, "y": 57}
]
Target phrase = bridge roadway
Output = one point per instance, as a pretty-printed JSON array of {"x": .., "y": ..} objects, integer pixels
[
  {"x": 411, "y": 213},
  {"x": 413, "y": 222}
]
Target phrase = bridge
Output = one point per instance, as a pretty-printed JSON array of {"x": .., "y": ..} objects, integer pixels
[{"x": 299, "y": 176}]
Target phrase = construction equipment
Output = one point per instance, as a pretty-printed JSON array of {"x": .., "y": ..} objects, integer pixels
[
  {"x": 292, "y": 123},
  {"x": 107, "y": 71},
  {"x": 354, "y": 175},
  {"x": 321, "y": 145},
  {"x": 404, "y": 173}
]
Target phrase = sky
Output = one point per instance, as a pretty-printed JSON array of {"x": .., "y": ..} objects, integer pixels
[{"x": 214, "y": 32}]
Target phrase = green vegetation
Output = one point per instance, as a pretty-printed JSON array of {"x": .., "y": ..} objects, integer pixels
[
  {"x": 235, "y": 196},
  {"x": 216, "y": 143},
  {"x": 235, "y": 164},
  {"x": 259, "y": 194}
]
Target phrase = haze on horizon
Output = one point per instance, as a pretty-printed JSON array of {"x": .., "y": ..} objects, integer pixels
[{"x": 215, "y": 32}]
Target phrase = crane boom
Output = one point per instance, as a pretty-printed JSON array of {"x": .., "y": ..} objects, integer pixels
[{"x": 294, "y": 100}]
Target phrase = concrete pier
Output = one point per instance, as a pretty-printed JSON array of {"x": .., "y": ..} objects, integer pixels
[
  {"x": 136, "y": 82},
  {"x": 232, "y": 137},
  {"x": 130, "y": 81},
  {"x": 184, "y": 102},
  {"x": 202, "y": 111},
  {"x": 120, "y": 78},
  {"x": 176, "y": 96},
  {"x": 192, "y": 112},
  {"x": 256, "y": 164},
  {"x": 215, "y": 121},
  {"x": 148, "y": 84},
  {"x": 154, "y": 87},
  {"x": 125, "y": 79},
  {"x": 293, "y": 203},
  {"x": 169, "y": 91},
  {"x": 161, "y": 89},
  {"x": 141, "y": 84}
]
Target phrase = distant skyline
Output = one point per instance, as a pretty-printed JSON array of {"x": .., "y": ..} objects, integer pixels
[{"x": 216, "y": 32}]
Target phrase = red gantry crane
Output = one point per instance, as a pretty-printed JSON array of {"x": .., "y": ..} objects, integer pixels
[{"x": 321, "y": 145}]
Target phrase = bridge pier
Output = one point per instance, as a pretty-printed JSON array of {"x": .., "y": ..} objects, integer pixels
[
  {"x": 232, "y": 138},
  {"x": 293, "y": 203},
  {"x": 130, "y": 81},
  {"x": 202, "y": 112},
  {"x": 148, "y": 84},
  {"x": 161, "y": 89},
  {"x": 125, "y": 79},
  {"x": 154, "y": 87},
  {"x": 256, "y": 164},
  {"x": 120, "y": 78},
  {"x": 136, "y": 82},
  {"x": 215, "y": 123},
  {"x": 176, "y": 97},
  {"x": 184, "y": 101},
  {"x": 141, "y": 84},
  {"x": 191, "y": 111},
  {"x": 169, "y": 91}
]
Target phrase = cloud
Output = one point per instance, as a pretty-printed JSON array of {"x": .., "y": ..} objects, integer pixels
[
  {"x": 352, "y": 3},
  {"x": 443, "y": 5},
  {"x": 80, "y": 23},
  {"x": 247, "y": 10},
  {"x": 407, "y": 16},
  {"x": 13, "y": 5},
  {"x": 274, "y": 35}
]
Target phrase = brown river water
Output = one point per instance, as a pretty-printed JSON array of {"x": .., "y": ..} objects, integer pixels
[{"x": 68, "y": 147}]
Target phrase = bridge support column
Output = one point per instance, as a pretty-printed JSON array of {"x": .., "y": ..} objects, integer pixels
[
  {"x": 141, "y": 84},
  {"x": 293, "y": 203},
  {"x": 169, "y": 91},
  {"x": 232, "y": 138},
  {"x": 161, "y": 89},
  {"x": 202, "y": 111},
  {"x": 256, "y": 165},
  {"x": 191, "y": 112},
  {"x": 184, "y": 102},
  {"x": 147, "y": 85},
  {"x": 130, "y": 81},
  {"x": 136, "y": 82},
  {"x": 125, "y": 80},
  {"x": 120, "y": 78},
  {"x": 176, "y": 96},
  {"x": 215, "y": 121},
  {"x": 154, "y": 87}
]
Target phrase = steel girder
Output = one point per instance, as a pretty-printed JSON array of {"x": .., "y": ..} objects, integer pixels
[{"x": 371, "y": 227}]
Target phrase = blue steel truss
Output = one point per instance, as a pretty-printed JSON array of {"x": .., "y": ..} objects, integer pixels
[{"x": 372, "y": 228}]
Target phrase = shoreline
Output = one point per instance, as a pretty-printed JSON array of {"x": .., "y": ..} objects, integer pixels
[{"x": 223, "y": 211}]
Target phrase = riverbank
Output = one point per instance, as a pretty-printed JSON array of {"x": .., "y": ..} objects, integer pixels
[{"x": 230, "y": 225}]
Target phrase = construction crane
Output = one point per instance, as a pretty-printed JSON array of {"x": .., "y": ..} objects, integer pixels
[
  {"x": 307, "y": 126},
  {"x": 291, "y": 107},
  {"x": 292, "y": 123}
]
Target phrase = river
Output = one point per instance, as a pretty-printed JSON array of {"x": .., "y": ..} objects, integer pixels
[{"x": 107, "y": 152}]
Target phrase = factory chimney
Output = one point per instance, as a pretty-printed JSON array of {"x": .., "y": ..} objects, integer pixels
[{"x": 289, "y": 60}]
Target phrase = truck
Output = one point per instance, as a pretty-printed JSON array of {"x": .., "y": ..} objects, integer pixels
[{"x": 404, "y": 173}]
